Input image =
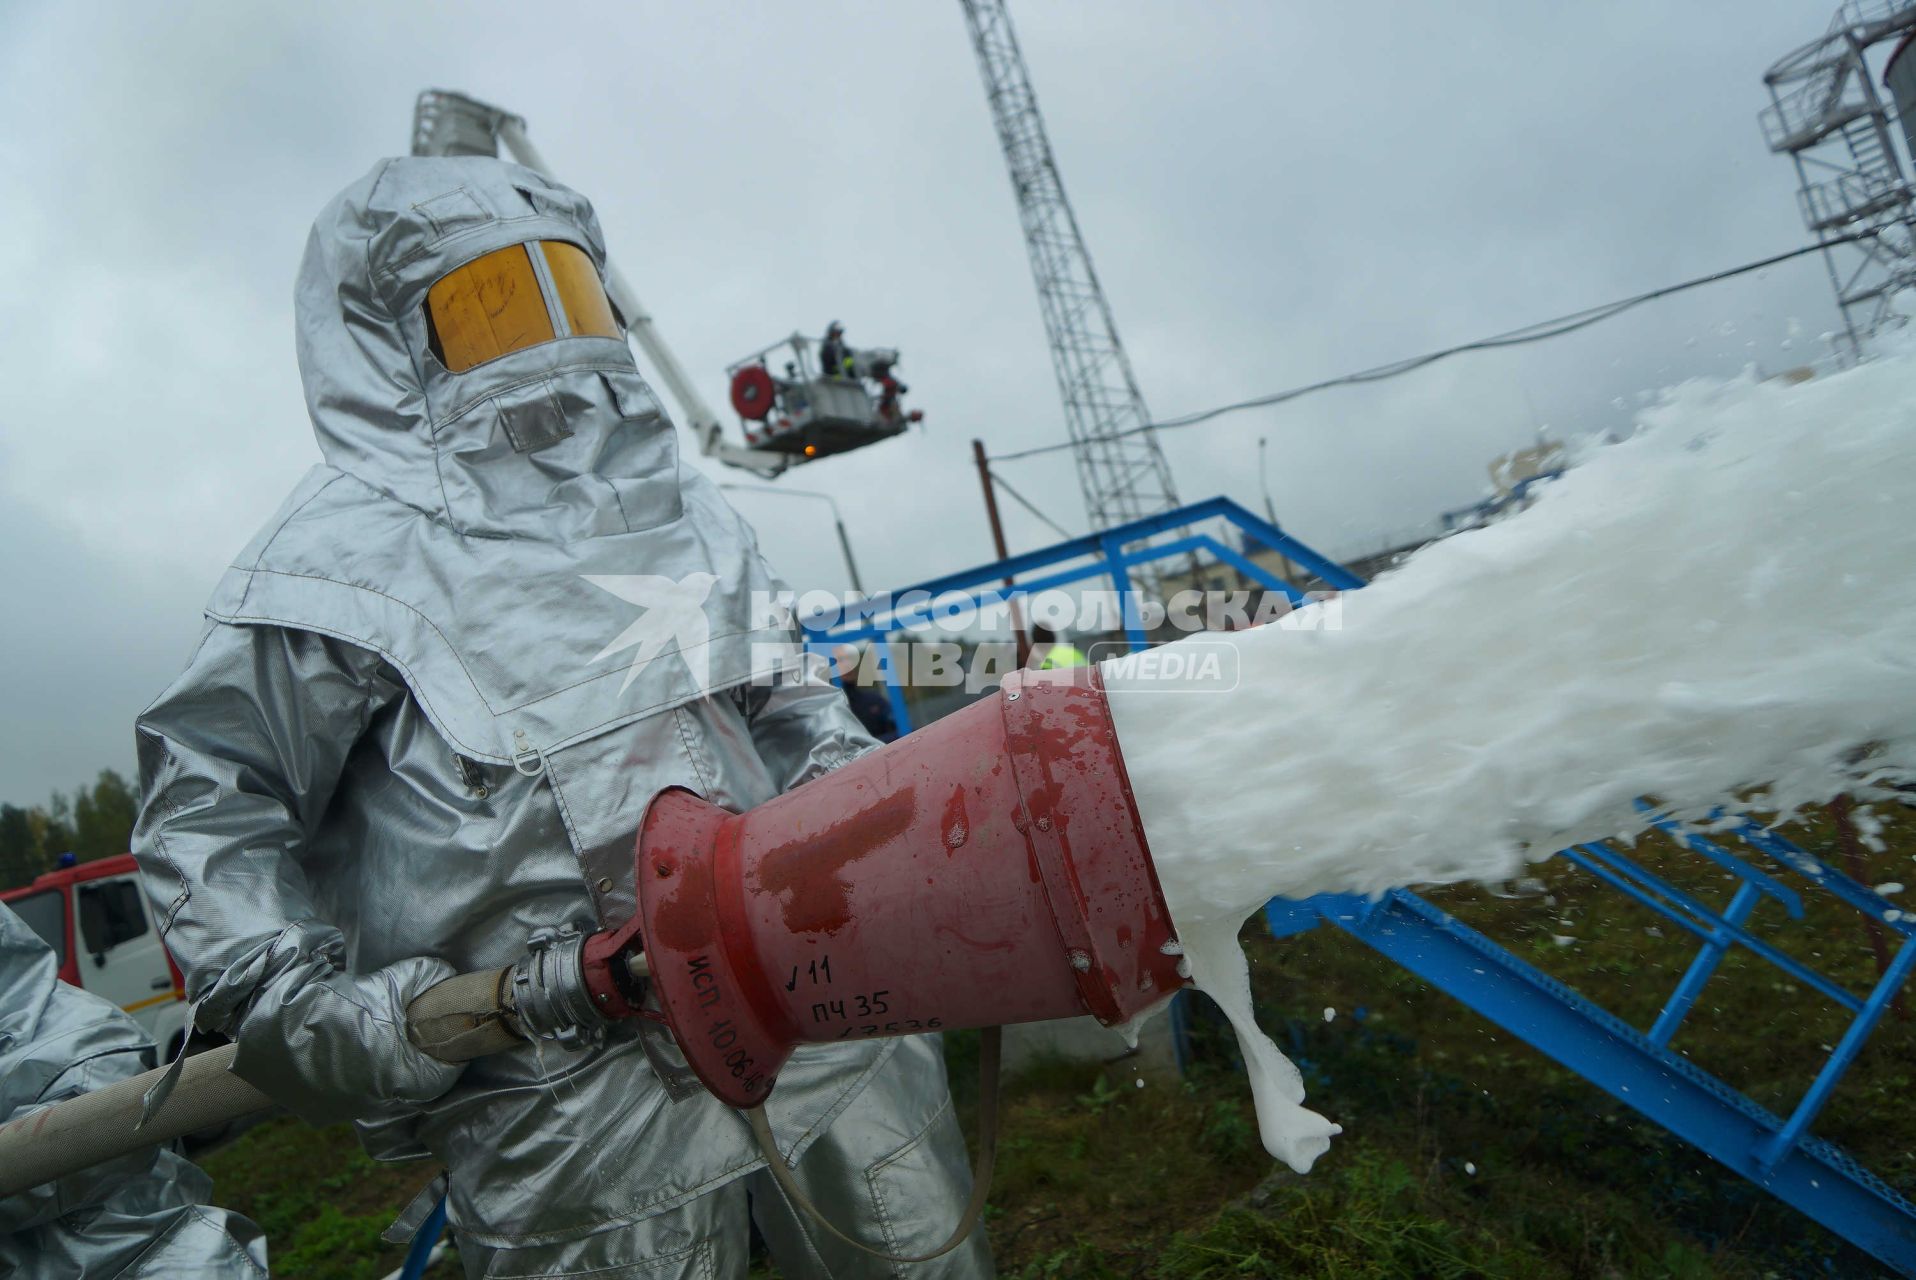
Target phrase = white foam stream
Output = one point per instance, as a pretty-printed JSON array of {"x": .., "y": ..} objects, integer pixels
[{"x": 1726, "y": 600}]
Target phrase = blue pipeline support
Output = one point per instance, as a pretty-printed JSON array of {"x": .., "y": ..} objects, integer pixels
[
  {"x": 1327, "y": 570},
  {"x": 1820, "y": 873},
  {"x": 1101, "y": 549},
  {"x": 1808, "y": 1173},
  {"x": 1251, "y": 569},
  {"x": 1818, "y": 1094},
  {"x": 1693, "y": 916},
  {"x": 880, "y": 618},
  {"x": 1715, "y": 946},
  {"x": 1120, "y": 571},
  {"x": 1696, "y": 843},
  {"x": 419, "y": 1253}
]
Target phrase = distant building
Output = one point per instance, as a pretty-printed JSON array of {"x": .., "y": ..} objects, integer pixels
[{"x": 1511, "y": 477}]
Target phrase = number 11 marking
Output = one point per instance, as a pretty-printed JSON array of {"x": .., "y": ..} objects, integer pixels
[{"x": 819, "y": 971}]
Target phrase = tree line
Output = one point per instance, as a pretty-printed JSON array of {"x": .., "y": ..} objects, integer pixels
[{"x": 92, "y": 822}]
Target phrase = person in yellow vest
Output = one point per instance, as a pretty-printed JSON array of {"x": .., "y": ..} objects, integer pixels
[{"x": 1048, "y": 653}]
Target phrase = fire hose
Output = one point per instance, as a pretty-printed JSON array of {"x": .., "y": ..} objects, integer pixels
[
  {"x": 989, "y": 869},
  {"x": 458, "y": 1020}
]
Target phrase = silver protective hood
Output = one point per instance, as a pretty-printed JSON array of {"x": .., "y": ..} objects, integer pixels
[
  {"x": 500, "y": 450},
  {"x": 519, "y": 539}
]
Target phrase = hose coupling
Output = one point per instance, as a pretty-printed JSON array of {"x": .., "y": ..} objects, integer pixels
[{"x": 548, "y": 991}]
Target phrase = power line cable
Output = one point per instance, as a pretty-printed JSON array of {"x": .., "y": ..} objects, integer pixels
[
  {"x": 1536, "y": 332},
  {"x": 1026, "y": 503}
]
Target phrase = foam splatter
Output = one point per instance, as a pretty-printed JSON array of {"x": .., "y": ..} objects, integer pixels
[{"x": 1723, "y": 601}]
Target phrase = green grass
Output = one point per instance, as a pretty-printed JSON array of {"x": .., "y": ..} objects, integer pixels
[
  {"x": 1465, "y": 1152},
  {"x": 1566, "y": 1181},
  {"x": 321, "y": 1201}
]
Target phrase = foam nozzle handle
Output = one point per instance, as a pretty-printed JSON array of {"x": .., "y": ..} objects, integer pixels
[{"x": 464, "y": 1017}]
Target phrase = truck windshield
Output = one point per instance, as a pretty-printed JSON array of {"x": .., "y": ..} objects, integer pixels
[{"x": 45, "y": 913}]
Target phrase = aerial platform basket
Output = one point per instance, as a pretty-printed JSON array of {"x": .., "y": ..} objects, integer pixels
[{"x": 786, "y": 404}]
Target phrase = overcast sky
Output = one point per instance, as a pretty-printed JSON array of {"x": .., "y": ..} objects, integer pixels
[{"x": 1273, "y": 193}]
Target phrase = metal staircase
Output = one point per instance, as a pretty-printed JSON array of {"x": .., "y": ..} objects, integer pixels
[
  {"x": 1638, "y": 1067},
  {"x": 1853, "y": 190}
]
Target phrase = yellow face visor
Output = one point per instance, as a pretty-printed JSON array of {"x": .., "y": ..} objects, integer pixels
[{"x": 495, "y": 304}]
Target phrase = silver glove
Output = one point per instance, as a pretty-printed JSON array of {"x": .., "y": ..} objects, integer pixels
[{"x": 331, "y": 1045}]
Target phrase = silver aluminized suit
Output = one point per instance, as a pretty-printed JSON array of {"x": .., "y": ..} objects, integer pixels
[
  {"x": 142, "y": 1215},
  {"x": 424, "y": 719}
]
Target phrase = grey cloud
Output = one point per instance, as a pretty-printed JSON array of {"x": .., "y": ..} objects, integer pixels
[{"x": 1273, "y": 194}]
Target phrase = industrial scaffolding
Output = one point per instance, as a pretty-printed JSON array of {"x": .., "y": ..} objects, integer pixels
[{"x": 1854, "y": 192}]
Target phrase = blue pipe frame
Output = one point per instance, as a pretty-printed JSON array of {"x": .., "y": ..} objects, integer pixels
[
  {"x": 424, "y": 1241},
  {"x": 1638, "y": 1068},
  {"x": 1110, "y": 555},
  {"x": 1776, "y": 1154}
]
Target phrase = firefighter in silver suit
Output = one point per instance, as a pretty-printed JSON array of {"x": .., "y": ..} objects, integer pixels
[
  {"x": 142, "y": 1216},
  {"x": 432, "y": 700}
]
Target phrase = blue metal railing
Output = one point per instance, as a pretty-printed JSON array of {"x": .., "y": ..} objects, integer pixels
[
  {"x": 1776, "y": 1154},
  {"x": 424, "y": 1241},
  {"x": 1635, "y": 1066},
  {"x": 1109, "y": 556}
]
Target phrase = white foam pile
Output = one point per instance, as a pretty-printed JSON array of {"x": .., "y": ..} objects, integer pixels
[{"x": 1724, "y": 601}]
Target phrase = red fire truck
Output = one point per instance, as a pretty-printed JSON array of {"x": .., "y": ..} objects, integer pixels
[{"x": 98, "y": 923}]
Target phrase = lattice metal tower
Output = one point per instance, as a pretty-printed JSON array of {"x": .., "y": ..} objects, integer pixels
[
  {"x": 1828, "y": 118},
  {"x": 1121, "y": 469}
]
